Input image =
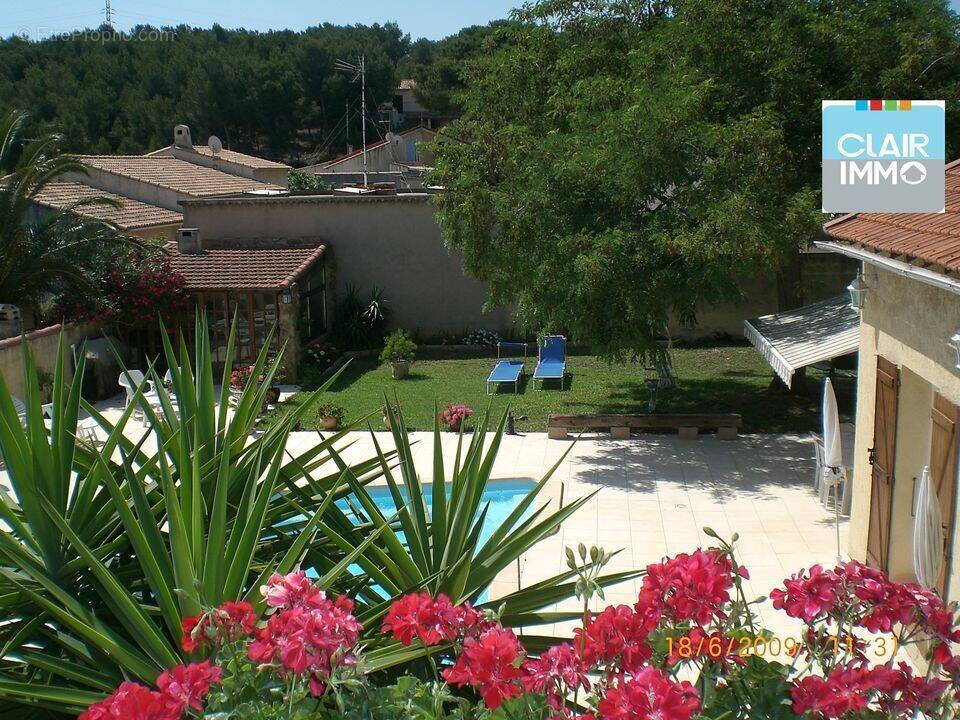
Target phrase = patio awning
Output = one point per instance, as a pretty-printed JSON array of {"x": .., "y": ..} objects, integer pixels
[{"x": 796, "y": 338}]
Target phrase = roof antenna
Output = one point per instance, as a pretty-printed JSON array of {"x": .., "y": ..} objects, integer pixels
[{"x": 359, "y": 72}]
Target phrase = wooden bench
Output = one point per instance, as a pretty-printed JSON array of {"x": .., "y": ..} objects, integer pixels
[{"x": 689, "y": 425}]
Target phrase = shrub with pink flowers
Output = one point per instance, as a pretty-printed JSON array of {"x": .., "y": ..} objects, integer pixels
[
  {"x": 453, "y": 415},
  {"x": 687, "y": 648},
  {"x": 137, "y": 289}
]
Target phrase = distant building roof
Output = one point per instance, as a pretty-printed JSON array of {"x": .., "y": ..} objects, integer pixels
[
  {"x": 931, "y": 238},
  {"x": 177, "y": 175},
  {"x": 232, "y": 156},
  {"x": 246, "y": 268},
  {"x": 133, "y": 215},
  {"x": 374, "y": 146}
]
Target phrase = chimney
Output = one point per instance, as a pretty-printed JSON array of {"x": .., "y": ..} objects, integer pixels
[
  {"x": 188, "y": 241},
  {"x": 181, "y": 137}
]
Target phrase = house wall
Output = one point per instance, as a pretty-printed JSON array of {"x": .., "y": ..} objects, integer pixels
[
  {"x": 391, "y": 242},
  {"x": 43, "y": 344},
  {"x": 908, "y": 323}
]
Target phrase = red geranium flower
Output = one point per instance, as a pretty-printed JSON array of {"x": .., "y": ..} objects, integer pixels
[
  {"x": 618, "y": 636},
  {"x": 692, "y": 586},
  {"x": 556, "y": 673},
  {"x": 650, "y": 695},
  {"x": 490, "y": 665},
  {"x": 808, "y": 594},
  {"x": 189, "y": 684}
]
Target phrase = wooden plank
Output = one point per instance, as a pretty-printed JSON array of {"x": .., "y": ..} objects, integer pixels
[{"x": 709, "y": 421}]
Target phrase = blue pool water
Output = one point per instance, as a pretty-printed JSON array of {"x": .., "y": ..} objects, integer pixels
[{"x": 503, "y": 497}]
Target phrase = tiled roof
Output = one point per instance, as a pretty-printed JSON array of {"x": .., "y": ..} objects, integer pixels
[
  {"x": 177, "y": 175},
  {"x": 931, "y": 238},
  {"x": 133, "y": 215},
  {"x": 238, "y": 158},
  {"x": 261, "y": 268}
]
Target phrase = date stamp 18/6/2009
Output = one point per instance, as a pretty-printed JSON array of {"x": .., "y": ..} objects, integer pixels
[{"x": 718, "y": 646}]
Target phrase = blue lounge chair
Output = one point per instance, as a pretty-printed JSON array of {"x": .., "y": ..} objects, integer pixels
[
  {"x": 552, "y": 364},
  {"x": 507, "y": 371}
]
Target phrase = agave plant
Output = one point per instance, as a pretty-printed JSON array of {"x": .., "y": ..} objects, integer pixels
[
  {"x": 434, "y": 545},
  {"x": 103, "y": 552}
]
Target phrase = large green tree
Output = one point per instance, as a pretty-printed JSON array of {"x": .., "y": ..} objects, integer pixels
[{"x": 622, "y": 163}]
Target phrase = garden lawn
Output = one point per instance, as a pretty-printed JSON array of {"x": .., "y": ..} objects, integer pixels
[{"x": 723, "y": 378}]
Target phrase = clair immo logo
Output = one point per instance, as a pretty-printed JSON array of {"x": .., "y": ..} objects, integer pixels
[{"x": 883, "y": 155}]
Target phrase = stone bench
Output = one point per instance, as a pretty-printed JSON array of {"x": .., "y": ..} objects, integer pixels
[{"x": 689, "y": 425}]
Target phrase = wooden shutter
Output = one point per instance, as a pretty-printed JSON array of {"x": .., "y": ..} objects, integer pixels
[
  {"x": 881, "y": 459},
  {"x": 943, "y": 474}
]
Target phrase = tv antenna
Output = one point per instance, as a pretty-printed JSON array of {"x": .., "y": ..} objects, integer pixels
[{"x": 358, "y": 71}]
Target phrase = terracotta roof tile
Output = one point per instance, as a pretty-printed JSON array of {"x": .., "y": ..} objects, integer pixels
[
  {"x": 257, "y": 268},
  {"x": 177, "y": 175},
  {"x": 932, "y": 238},
  {"x": 133, "y": 215}
]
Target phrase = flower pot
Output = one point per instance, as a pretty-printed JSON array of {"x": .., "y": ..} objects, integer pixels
[
  {"x": 400, "y": 369},
  {"x": 455, "y": 427},
  {"x": 328, "y": 423}
]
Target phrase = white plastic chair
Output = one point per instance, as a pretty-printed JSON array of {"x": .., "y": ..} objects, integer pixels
[
  {"x": 818, "y": 456},
  {"x": 130, "y": 381},
  {"x": 836, "y": 484}
]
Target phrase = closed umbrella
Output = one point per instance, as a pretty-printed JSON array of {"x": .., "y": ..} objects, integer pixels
[
  {"x": 927, "y": 532},
  {"x": 832, "y": 450}
]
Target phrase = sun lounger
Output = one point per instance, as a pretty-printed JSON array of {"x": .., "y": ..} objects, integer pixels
[
  {"x": 507, "y": 370},
  {"x": 552, "y": 364}
]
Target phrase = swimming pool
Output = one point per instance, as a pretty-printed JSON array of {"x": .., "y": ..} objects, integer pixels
[{"x": 503, "y": 497}]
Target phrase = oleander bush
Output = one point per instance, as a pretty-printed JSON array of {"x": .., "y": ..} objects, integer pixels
[{"x": 678, "y": 653}]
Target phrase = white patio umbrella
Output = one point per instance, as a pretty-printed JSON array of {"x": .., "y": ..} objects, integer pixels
[
  {"x": 832, "y": 450},
  {"x": 927, "y": 532}
]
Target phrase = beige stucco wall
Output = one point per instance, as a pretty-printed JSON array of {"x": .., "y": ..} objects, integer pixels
[
  {"x": 43, "y": 344},
  {"x": 391, "y": 242},
  {"x": 908, "y": 323}
]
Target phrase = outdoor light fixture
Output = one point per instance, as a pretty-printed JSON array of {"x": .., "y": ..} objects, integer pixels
[
  {"x": 955, "y": 344},
  {"x": 286, "y": 298},
  {"x": 858, "y": 291}
]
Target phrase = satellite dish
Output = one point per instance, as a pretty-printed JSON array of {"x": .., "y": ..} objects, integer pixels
[{"x": 215, "y": 145}]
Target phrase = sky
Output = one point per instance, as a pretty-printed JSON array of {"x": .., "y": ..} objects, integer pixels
[
  {"x": 432, "y": 19},
  {"x": 420, "y": 18}
]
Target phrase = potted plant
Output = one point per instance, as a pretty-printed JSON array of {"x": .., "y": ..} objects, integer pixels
[
  {"x": 453, "y": 415},
  {"x": 239, "y": 378},
  {"x": 331, "y": 415},
  {"x": 398, "y": 350}
]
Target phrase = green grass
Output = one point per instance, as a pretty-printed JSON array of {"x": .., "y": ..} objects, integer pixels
[{"x": 719, "y": 378}]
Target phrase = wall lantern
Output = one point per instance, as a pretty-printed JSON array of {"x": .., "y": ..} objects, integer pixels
[
  {"x": 858, "y": 291},
  {"x": 286, "y": 298},
  {"x": 955, "y": 344}
]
